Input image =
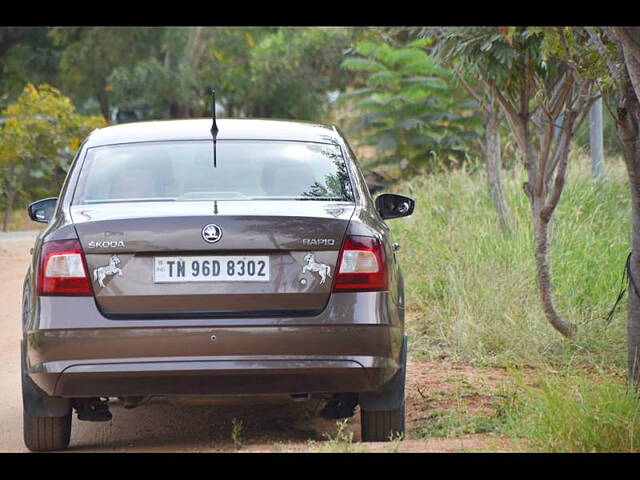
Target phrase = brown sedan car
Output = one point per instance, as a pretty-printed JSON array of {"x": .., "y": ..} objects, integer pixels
[{"x": 168, "y": 269}]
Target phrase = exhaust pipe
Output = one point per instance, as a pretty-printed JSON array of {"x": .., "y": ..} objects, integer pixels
[
  {"x": 300, "y": 397},
  {"x": 134, "y": 401}
]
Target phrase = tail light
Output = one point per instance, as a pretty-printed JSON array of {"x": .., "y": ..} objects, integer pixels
[
  {"x": 362, "y": 266},
  {"x": 63, "y": 269}
]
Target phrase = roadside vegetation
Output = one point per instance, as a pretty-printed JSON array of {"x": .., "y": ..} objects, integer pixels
[
  {"x": 574, "y": 414},
  {"x": 471, "y": 291},
  {"x": 472, "y": 299}
]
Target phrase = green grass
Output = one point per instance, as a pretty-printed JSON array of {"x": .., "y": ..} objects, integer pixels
[
  {"x": 453, "y": 423},
  {"x": 471, "y": 291},
  {"x": 471, "y": 295},
  {"x": 572, "y": 414}
]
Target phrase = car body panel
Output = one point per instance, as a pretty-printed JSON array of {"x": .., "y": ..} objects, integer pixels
[{"x": 200, "y": 129}]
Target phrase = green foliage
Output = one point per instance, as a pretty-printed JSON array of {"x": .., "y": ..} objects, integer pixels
[
  {"x": 39, "y": 135},
  {"x": 27, "y": 54},
  {"x": 573, "y": 414},
  {"x": 228, "y": 65},
  {"x": 410, "y": 108},
  {"x": 471, "y": 291},
  {"x": 293, "y": 69},
  {"x": 168, "y": 80},
  {"x": 452, "y": 422},
  {"x": 169, "y": 71},
  {"x": 236, "y": 432},
  {"x": 90, "y": 54},
  {"x": 341, "y": 442},
  {"x": 502, "y": 56},
  {"x": 569, "y": 43}
]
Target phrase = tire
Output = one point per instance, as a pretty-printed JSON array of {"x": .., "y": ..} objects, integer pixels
[
  {"x": 43, "y": 434},
  {"x": 381, "y": 425}
]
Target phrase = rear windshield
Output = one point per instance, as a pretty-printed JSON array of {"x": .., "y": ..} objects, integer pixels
[{"x": 183, "y": 171}]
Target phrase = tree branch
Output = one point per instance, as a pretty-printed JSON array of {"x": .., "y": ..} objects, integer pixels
[
  {"x": 558, "y": 185},
  {"x": 512, "y": 116},
  {"x": 471, "y": 91}
]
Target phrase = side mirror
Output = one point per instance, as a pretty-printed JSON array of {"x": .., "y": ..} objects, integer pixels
[
  {"x": 42, "y": 210},
  {"x": 390, "y": 205}
]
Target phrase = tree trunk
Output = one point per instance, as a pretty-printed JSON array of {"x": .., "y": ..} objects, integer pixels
[
  {"x": 10, "y": 196},
  {"x": 543, "y": 268},
  {"x": 628, "y": 130},
  {"x": 178, "y": 110},
  {"x": 493, "y": 165},
  {"x": 537, "y": 194},
  {"x": 105, "y": 108}
]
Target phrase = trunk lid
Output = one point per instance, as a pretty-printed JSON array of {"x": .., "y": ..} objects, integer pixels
[{"x": 288, "y": 234}]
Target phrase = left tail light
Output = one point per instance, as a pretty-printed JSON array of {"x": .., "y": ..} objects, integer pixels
[{"x": 63, "y": 269}]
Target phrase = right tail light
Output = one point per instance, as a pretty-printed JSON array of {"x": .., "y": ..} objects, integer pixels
[{"x": 362, "y": 265}]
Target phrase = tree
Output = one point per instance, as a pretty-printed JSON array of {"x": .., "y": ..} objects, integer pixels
[
  {"x": 629, "y": 131},
  {"x": 464, "y": 66},
  {"x": 409, "y": 107},
  {"x": 27, "y": 54},
  {"x": 91, "y": 54},
  {"x": 292, "y": 70},
  {"x": 228, "y": 66},
  {"x": 257, "y": 72},
  {"x": 39, "y": 135},
  {"x": 617, "y": 51},
  {"x": 611, "y": 56},
  {"x": 544, "y": 98},
  {"x": 168, "y": 82}
]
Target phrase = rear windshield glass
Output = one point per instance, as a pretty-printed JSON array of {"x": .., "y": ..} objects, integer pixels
[{"x": 183, "y": 171}]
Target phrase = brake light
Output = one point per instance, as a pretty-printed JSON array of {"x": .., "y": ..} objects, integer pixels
[
  {"x": 63, "y": 269},
  {"x": 362, "y": 266}
]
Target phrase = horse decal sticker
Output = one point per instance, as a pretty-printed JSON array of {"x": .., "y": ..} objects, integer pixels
[
  {"x": 100, "y": 273},
  {"x": 320, "y": 268}
]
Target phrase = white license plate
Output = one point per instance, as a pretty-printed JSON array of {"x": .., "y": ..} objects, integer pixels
[{"x": 210, "y": 268}]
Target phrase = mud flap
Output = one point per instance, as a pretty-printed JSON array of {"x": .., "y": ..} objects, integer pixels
[
  {"x": 35, "y": 401},
  {"x": 392, "y": 394}
]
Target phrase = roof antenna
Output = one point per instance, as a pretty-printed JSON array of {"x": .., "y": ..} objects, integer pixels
[{"x": 214, "y": 126}]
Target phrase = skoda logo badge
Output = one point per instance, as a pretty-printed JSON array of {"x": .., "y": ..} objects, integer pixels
[{"x": 211, "y": 233}]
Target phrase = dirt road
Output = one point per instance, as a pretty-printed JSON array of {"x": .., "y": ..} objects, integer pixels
[{"x": 202, "y": 426}]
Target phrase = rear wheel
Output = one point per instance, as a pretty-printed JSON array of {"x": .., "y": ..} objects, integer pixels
[
  {"x": 42, "y": 434},
  {"x": 381, "y": 425}
]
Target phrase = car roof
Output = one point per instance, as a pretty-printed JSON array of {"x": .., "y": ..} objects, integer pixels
[{"x": 200, "y": 129}]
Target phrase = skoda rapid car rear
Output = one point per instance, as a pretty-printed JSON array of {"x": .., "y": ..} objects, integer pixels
[{"x": 160, "y": 273}]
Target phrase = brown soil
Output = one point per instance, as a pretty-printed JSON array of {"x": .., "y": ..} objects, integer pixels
[{"x": 187, "y": 425}]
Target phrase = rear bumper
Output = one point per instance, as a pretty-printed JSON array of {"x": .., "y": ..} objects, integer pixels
[
  {"x": 217, "y": 376},
  {"x": 340, "y": 350}
]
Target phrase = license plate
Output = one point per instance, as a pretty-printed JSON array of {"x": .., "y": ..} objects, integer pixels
[{"x": 211, "y": 269}]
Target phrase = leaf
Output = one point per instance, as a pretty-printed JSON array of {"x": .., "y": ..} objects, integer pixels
[
  {"x": 384, "y": 79},
  {"x": 410, "y": 123},
  {"x": 356, "y": 93},
  {"x": 387, "y": 142},
  {"x": 420, "y": 43},
  {"x": 408, "y": 55},
  {"x": 366, "y": 48},
  {"x": 359, "y": 64}
]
